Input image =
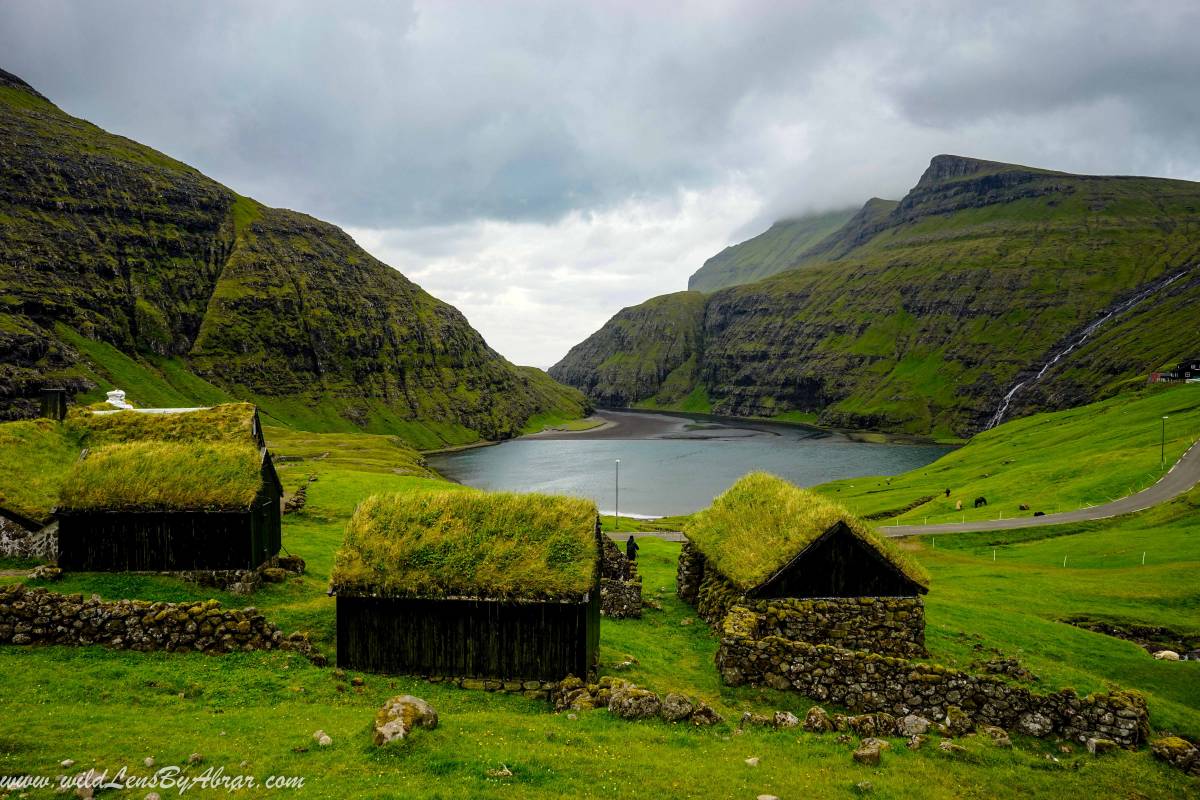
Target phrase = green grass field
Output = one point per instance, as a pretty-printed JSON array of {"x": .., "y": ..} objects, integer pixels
[
  {"x": 1051, "y": 462},
  {"x": 107, "y": 708}
]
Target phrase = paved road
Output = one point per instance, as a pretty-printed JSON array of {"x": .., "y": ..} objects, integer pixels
[
  {"x": 1182, "y": 476},
  {"x": 666, "y": 536}
]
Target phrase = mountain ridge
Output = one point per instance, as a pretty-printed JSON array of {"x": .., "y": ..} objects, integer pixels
[
  {"x": 123, "y": 245},
  {"x": 918, "y": 315}
]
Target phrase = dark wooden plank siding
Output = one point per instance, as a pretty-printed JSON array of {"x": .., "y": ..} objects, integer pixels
[{"x": 543, "y": 641}]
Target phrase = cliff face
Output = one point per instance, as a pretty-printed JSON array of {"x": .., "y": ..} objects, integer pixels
[
  {"x": 110, "y": 250},
  {"x": 920, "y": 316}
]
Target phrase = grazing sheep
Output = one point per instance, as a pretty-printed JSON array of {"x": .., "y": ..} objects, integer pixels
[
  {"x": 980, "y": 501},
  {"x": 958, "y": 506}
]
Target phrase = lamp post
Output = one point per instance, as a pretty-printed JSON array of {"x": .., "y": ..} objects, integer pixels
[
  {"x": 1162, "y": 448},
  {"x": 617, "y": 484}
]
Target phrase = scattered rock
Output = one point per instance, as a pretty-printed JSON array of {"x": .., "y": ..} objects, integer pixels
[
  {"x": 274, "y": 574},
  {"x": 817, "y": 721},
  {"x": 45, "y": 572},
  {"x": 947, "y": 746},
  {"x": 633, "y": 703},
  {"x": 786, "y": 719},
  {"x": 676, "y": 708},
  {"x": 153, "y": 796},
  {"x": 148, "y": 761},
  {"x": 706, "y": 714},
  {"x": 915, "y": 742},
  {"x": 195, "y": 758},
  {"x": 864, "y": 787},
  {"x": 913, "y": 725},
  {"x": 760, "y": 720},
  {"x": 844, "y": 738},
  {"x": 686, "y": 621},
  {"x": 572, "y": 716},
  {"x": 357, "y": 680},
  {"x": 766, "y": 797},
  {"x": 1178, "y": 752},
  {"x": 399, "y": 716},
  {"x": 325, "y": 740},
  {"x": 752, "y": 761},
  {"x": 868, "y": 753},
  {"x": 503, "y": 772},
  {"x": 1167, "y": 655},
  {"x": 1066, "y": 749},
  {"x": 1098, "y": 747},
  {"x": 1000, "y": 737},
  {"x": 67, "y": 763}
]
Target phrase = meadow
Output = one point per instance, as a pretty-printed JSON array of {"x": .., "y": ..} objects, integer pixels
[{"x": 255, "y": 713}]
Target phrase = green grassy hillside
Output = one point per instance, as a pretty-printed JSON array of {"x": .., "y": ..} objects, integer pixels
[
  {"x": 771, "y": 252},
  {"x": 647, "y": 353},
  {"x": 1056, "y": 461},
  {"x": 919, "y": 316},
  {"x": 121, "y": 267},
  {"x": 255, "y": 713}
]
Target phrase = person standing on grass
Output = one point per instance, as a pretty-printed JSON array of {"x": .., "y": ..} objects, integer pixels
[{"x": 631, "y": 548}]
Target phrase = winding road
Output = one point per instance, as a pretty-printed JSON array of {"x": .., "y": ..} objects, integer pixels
[{"x": 1180, "y": 478}]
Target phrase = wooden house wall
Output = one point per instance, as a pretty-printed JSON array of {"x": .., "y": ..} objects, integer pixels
[
  {"x": 544, "y": 641},
  {"x": 838, "y": 564}
]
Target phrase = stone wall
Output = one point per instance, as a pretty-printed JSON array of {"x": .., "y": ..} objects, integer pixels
[
  {"x": 18, "y": 541},
  {"x": 620, "y": 584},
  {"x": 689, "y": 573},
  {"x": 38, "y": 616},
  {"x": 869, "y": 682},
  {"x": 893, "y": 626}
]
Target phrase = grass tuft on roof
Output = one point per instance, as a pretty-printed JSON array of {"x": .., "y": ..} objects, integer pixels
[
  {"x": 231, "y": 422},
  {"x": 495, "y": 545},
  {"x": 762, "y": 522},
  {"x": 164, "y": 476}
]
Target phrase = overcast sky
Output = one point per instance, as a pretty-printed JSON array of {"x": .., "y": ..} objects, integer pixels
[{"x": 542, "y": 165}]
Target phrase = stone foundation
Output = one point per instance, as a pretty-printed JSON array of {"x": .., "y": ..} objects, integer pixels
[
  {"x": 620, "y": 584},
  {"x": 19, "y": 541},
  {"x": 868, "y": 682},
  {"x": 38, "y": 616},
  {"x": 893, "y": 626}
]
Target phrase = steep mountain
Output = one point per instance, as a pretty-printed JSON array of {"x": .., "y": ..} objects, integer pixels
[
  {"x": 921, "y": 316},
  {"x": 649, "y": 350},
  {"x": 776, "y": 249},
  {"x": 121, "y": 265}
]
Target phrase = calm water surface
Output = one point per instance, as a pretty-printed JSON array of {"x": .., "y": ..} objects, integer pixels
[{"x": 672, "y": 464}]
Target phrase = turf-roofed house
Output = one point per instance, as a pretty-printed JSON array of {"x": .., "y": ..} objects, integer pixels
[
  {"x": 812, "y": 571},
  {"x": 470, "y": 585},
  {"x": 170, "y": 490}
]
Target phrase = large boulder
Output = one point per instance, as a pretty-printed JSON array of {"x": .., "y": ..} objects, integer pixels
[
  {"x": 817, "y": 721},
  {"x": 913, "y": 725},
  {"x": 1178, "y": 752},
  {"x": 676, "y": 708},
  {"x": 634, "y": 703},
  {"x": 957, "y": 722},
  {"x": 400, "y": 716}
]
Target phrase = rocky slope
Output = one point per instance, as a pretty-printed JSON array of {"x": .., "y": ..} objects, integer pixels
[
  {"x": 109, "y": 248},
  {"x": 919, "y": 316},
  {"x": 771, "y": 252}
]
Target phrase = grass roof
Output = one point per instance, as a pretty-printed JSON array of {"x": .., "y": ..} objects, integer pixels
[
  {"x": 762, "y": 522},
  {"x": 230, "y": 422},
  {"x": 35, "y": 455},
  {"x": 469, "y": 544},
  {"x": 164, "y": 476}
]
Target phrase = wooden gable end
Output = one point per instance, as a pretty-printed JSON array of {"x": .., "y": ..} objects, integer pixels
[{"x": 838, "y": 564}]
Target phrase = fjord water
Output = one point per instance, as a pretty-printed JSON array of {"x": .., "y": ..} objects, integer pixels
[{"x": 673, "y": 464}]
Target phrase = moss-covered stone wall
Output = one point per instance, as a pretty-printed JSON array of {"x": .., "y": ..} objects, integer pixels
[{"x": 869, "y": 682}]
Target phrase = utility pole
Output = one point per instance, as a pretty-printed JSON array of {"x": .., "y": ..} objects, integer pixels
[
  {"x": 1162, "y": 448},
  {"x": 617, "y": 483}
]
